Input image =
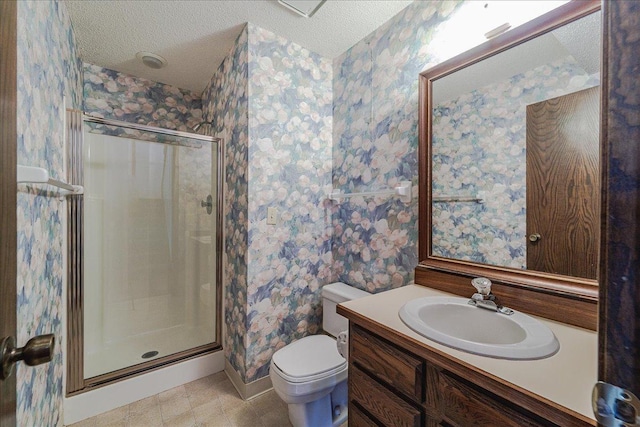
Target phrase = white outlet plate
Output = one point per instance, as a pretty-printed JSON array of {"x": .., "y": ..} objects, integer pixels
[{"x": 272, "y": 213}]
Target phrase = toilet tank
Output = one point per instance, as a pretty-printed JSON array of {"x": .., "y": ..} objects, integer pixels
[{"x": 332, "y": 295}]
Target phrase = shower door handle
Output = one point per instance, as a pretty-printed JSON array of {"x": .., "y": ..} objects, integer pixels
[
  {"x": 208, "y": 204},
  {"x": 38, "y": 350}
]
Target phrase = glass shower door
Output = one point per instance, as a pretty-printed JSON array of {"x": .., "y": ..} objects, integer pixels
[{"x": 149, "y": 249}]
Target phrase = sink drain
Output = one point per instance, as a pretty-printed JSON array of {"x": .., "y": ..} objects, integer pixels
[{"x": 149, "y": 354}]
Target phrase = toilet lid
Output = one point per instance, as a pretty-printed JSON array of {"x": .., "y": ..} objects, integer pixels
[{"x": 309, "y": 356}]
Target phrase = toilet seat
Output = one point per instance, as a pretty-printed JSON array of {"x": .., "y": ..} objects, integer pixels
[{"x": 308, "y": 359}]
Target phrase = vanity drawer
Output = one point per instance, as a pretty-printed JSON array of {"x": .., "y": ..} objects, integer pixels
[
  {"x": 398, "y": 368},
  {"x": 463, "y": 405},
  {"x": 387, "y": 408},
  {"x": 357, "y": 418}
]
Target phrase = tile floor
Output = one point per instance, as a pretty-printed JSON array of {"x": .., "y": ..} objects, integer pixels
[{"x": 208, "y": 402}]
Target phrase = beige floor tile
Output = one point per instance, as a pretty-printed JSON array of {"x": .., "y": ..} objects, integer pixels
[
  {"x": 145, "y": 405},
  {"x": 115, "y": 417},
  {"x": 267, "y": 402},
  {"x": 230, "y": 406},
  {"x": 185, "y": 419},
  {"x": 115, "y": 423},
  {"x": 209, "y": 402},
  {"x": 224, "y": 386},
  {"x": 198, "y": 384},
  {"x": 277, "y": 417},
  {"x": 206, "y": 383},
  {"x": 220, "y": 421},
  {"x": 152, "y": 418},
  {"x": 243, "y": 417},
  {"x": 177, "y": 405},
  {"x": 228, "y": 395},
  {"x": 89, "y": 422},
  {"x": 218, "y": 377},
  {"x": 208, "y": 411},
  {"x": 172, "y": 393},
  {"x": 203, "y": 396}
]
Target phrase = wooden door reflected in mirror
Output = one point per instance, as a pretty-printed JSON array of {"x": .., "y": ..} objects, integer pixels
[{"x": 563, "y": 154}]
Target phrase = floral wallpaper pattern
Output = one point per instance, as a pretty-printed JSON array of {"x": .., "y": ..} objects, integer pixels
[
  {"x": 118, "y": 96},
  {"x": 290, "y": 162},
  {"x": 479, "y": 149},
  {"x": 48, "y": 73},
  {"x": 375, "y": 133},
  {"x": 225, "y": 105},
  {"x": 271, "y": 101}
]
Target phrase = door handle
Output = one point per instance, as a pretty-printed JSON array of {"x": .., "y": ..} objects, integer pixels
[
  {"x": 208, "y": 204},
  {"x": 38, "y": 350},
  {"x": 534, "y": 237}
]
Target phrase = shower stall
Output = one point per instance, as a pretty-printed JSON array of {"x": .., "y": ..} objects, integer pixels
[{"x": 144, "y": 249}]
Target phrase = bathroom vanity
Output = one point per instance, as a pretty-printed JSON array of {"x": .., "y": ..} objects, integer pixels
[
  {"x": 475, "y": 221},
  {"x": 400, "y": 378}
]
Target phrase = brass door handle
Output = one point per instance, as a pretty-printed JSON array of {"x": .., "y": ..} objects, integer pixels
[
  {"x": 38, "y": 350},
  {"x": 534, "y": 237}
]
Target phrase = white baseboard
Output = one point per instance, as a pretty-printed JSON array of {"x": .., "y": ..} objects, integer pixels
[
  {"x": 247, "y": 391},
  {"x": 103, "y": 399}
]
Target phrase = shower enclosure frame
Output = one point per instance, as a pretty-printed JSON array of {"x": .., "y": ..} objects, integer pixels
[{"x": 75, "y": 382}]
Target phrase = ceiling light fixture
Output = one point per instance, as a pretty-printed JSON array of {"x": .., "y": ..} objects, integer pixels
[
  {"x": 305, "y": 8},
  {"x": 151, "y": 60}
]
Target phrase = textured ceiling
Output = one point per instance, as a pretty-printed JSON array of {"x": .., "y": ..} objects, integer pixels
[{"x": 195, "y": 36}]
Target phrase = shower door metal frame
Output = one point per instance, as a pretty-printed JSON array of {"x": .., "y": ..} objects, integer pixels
[{"x": 76, "y": 383}]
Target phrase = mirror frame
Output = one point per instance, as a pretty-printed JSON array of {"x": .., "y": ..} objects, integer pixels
[{"x": 544, "y": 285}]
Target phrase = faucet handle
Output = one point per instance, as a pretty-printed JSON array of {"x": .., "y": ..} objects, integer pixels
[{"x": 482, "y": 285}]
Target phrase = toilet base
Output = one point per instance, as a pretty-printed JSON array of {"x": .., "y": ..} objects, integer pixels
[{"x": 327, "y": 411}]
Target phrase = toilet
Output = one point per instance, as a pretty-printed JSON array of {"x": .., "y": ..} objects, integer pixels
[{"x": 310, "y": 374}]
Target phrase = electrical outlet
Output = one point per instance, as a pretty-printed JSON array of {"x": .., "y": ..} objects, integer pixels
[{"x": 272, "y": 213}]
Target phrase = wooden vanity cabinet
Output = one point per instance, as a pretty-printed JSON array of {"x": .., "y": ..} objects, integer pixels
[{"x": 392, "y": 385}]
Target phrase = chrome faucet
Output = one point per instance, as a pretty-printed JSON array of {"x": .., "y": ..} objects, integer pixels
[{"x": 483, "y": 297}]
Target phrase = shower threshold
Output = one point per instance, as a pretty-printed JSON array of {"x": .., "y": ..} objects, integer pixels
[{"x": 130, "y": 351}]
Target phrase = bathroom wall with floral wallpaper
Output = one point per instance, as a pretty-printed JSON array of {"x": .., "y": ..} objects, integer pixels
[
  {"x": 290, "y": 162},
  {"x": 225, "y": 106},
  {"x": 49, "y": 75},
  {"x": 271, "y": 100},
  {"x": 375, "y": 139},
  {"x": 479, "y": 150},
  {"x": 118, "y": 96}
]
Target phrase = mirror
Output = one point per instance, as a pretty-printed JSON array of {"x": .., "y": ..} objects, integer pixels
[{"x": 509, "y": 152}]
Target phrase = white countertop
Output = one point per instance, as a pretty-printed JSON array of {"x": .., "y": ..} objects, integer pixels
[{"x": 565, "y": 378}]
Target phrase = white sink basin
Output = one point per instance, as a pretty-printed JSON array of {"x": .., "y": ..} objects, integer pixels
[{"x": 453, "y": 322}]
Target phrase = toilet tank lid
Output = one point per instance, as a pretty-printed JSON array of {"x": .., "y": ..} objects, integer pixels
[{"x": 340, "y": 292}]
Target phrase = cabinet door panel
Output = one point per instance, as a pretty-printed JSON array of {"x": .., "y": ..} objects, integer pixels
[
  {"x": 396, "y": 367},
  {"x": 465, "y": 406},
  {"x": 386, "y": 407}
]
